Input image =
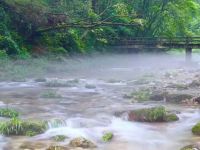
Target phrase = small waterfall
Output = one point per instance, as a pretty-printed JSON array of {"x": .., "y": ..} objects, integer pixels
[{"x": 56, "y": 123}]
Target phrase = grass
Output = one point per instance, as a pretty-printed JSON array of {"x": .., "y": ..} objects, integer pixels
[
  {"x": 16, "y": 126},
  {"x": 9, "y": 113}
]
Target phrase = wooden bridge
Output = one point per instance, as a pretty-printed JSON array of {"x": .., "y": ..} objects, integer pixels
[{"x": 187, "y": 43}]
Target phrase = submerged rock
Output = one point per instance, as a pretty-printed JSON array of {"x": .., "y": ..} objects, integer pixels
[
  {"x": 196, "y": 129},
  {"x": 82, "y": 142},
  {"x": 155, "y": 114}
]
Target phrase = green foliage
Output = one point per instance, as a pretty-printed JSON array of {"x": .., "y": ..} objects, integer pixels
[
  {"x": 19, "y": 127},
  {"x": 7, "y": 112},
  {"x": 18, "y": 28},
  {"x": 196, "y": 129},
  {"x": 107, "y": 137}
]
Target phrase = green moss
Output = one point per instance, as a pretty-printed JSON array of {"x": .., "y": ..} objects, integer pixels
[
  {"x": 59, "y": 138},
  {"x": 19, "y": 127},
  {"x": 107, "y": 137},
  {"x": 10, "y": 113},
  {"x": 196, "y": 129},
  {"x": 142, "y": 95}
]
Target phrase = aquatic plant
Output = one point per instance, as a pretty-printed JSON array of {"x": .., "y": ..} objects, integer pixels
[
  {"x": 9, "y": 113},
  {"x": 16, "y": 126},
  {"x": 107, "y": 137}
]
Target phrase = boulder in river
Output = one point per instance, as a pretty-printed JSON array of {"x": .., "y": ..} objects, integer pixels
[
  {"x": 81, "y": 142},
  {"x": 154, "y": 114}
]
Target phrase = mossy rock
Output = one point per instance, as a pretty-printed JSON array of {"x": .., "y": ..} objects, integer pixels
[
  {"x": 59, "y": 138},
  {"x": 196, "y": 129},
  {"x": 16, "y": 126},
  {"x": 107, "y": 137},
  {"x": 155, "y": 114},
  {"x": 9, "y": 113},
  {"x": 82, "y": 143}
]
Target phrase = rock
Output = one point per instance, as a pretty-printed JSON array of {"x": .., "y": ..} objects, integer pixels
[
  {"x": 155, "y": 114},
  {"x": 196, "y": 129},
  {"x": 107, "y": 137},
  {"x": 32, "y": 146},
  {"x": 40, "y": 80},
  {"x": 81, "y": 142},
  {"x": 170, "y": 97},
  {"x": 57, "y": 148},
  {"x": 90, "y": 86},
  {"x": 191, "y": 147}
]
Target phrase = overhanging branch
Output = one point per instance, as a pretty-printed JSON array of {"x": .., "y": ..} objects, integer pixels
[{"x": 85, "y": 25}]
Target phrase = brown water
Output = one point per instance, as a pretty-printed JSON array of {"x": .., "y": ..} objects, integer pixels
[{"x": 91, "y": 112}]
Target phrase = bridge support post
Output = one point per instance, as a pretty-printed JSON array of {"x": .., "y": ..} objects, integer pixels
[{"x": 188, "y": 54}]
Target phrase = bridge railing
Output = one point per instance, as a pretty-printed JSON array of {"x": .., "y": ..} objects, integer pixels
[{"x": 164, "y": 41}]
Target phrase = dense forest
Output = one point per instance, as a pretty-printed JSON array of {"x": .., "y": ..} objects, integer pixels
[{"x": 64, "y": 27}]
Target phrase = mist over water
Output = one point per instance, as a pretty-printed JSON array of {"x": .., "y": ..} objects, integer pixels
[{"x": 88, "y": 107}]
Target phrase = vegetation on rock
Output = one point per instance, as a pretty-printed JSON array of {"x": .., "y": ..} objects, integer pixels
[
  {"x": 107, "y": 137},
  {"x": 155, "y": 114}
]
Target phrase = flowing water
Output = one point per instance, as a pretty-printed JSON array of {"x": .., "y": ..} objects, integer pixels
[{"x": 89, "y": 107}]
